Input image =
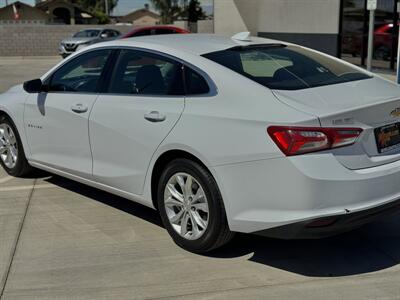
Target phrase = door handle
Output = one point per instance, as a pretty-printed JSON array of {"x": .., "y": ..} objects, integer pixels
[
  {"x": 79, "y": 108},
  {"x": 155, "y": 116}
]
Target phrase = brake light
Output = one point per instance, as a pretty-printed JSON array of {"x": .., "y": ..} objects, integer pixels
[{"x": 300, "y": 140}]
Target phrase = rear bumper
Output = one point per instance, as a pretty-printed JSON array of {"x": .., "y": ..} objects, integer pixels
[
  {"x": 275, "y": 193},
  {"x": 330, "y": 226}
]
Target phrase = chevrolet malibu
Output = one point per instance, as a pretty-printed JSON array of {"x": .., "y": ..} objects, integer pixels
[{"x": 219, "y": 134}]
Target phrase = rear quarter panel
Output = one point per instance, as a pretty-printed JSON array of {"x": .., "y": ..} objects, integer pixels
[{"x": 230, "y": 126}]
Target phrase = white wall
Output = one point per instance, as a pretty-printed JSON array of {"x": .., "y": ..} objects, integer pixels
[
  {"x": 290, "y": 16},
  {"x": 205, "y": 26},
  {"x": 299, "y": 16},
  {"x": 230, "y": 18}
]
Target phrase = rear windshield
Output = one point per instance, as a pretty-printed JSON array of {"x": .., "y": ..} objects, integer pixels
[
  {"x": 283, "y": 67},
  {"x": 87, "y": 33}
]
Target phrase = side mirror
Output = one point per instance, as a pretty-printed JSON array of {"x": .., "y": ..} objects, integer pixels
[
  {"x": 104, "y": 35},
  {"x": 33, "y": 86}
]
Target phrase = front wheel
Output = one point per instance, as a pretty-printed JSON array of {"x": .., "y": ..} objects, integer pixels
[
  {"x": 12, "y": 156},
  {"x": 191, "y": 207}
]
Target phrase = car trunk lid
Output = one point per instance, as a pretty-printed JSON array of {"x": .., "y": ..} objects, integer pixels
[{"x": 368, "y": 104}]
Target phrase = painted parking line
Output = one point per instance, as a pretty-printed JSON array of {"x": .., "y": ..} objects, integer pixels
[
  {"x": 5, "y": 179},
  {"x": 26, "y": 187}
]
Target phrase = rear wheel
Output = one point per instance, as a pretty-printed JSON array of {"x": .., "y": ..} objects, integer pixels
[
  {"x": 191, "y": 207},
  {"x": 12, "y": 156}
]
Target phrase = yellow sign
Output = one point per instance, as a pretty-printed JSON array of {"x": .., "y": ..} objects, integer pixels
[
  {"x": 385, "y": 138},
  {"x": 395, "y": 112}
]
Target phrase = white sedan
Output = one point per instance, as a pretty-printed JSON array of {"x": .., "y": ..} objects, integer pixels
[{"x": 219, "y": 134}]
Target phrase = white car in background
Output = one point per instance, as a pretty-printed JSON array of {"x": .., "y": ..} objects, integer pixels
[
  {"x": 84, "y": 38},
  {"x": 219, "y": 134}
]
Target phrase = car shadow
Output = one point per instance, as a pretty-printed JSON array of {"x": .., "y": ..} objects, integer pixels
[
  {"x": 37, "y": 174},
  {"x": 373, "y": 247},
  {"x": 122, "y": 204}
]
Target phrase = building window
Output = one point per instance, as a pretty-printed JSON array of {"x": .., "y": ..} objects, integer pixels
[{"x": 354, "y": 33}]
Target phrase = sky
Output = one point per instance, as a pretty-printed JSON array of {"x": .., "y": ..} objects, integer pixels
[{"x": 124, "y": 6}]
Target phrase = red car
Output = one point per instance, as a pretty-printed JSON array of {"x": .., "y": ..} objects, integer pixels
[
  {"x": 153, "y": 30},
  {"x": 383, "y": 40}
]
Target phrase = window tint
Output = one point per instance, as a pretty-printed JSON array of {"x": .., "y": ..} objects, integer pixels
[
  {"x": 195, "y": 83},
  {"x": 87, "y": 33},
  {"x": 82, "y": 74},
  {"x": 142, "y": 33},
  {"x": 286, "y": 67},
  {"x": 111, "y": 33},
  {"x": 142, "y": 73},
  {"x": 164, "y": 31},
  {"x": 108, "y": 33}
]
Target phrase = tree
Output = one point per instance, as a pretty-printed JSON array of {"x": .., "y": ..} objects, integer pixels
[
  {"x": 169, "y": 10},
  {"x": 194, "y": 11},
  {"x": 97, "y": 8}
]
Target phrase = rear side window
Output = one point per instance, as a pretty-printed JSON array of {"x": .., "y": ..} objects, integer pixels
[
  {"x": 142, "y": 73},
  {"x": 286, "y": 67},
  {"x": 195, "y": 83}
]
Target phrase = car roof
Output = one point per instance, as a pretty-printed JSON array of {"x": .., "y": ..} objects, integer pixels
[
  {"x": 198, "y": 44},
  {"x": 85, "y": 29},
  {"x": 137, "y": 29},
  {"x": 141, "y": 27}
]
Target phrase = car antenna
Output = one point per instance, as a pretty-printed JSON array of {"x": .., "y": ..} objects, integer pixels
[{"x": 242, "y": 36}]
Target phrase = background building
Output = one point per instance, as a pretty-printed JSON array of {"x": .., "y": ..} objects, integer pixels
[
  {"x": 19, "y": 12},
  {"x": 141, "y": 17},
  {"x": 65, "y": 12},
  {"x": 337, "y": 27},
  {"x": 45, "y": 12}
]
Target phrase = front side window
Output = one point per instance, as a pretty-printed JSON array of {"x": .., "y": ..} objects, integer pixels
[
  {"x": 110, "y": 33},
  {"x": 143, "y": 73},
  {"x": 142, "y": 33},
  {"x": 164, "y": 31},
  {"x": 286, "y": 67},
  {"x": 87, "y": 33},
  {"x": 82, "y": 74}
]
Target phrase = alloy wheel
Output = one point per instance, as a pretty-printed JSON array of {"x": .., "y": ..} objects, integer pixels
[
  {"x": 8, "y": 146},
  {"x": 186, "y": 206}
]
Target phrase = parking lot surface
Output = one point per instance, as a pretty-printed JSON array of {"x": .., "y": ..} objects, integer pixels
[{"x": 62, "y": 240}]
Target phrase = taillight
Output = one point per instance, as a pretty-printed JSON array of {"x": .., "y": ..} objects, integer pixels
[{"x": 300, "y": 140}]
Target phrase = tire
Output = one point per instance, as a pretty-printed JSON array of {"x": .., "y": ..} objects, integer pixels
[
  {"x": 197, "y": 239},
  {"x": 16, "y": 167}
]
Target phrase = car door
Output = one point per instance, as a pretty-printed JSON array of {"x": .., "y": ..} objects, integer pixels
[
  {"x": 56, "y": 121},
  {"x": 143, "y": 102}
]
